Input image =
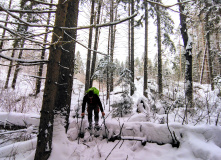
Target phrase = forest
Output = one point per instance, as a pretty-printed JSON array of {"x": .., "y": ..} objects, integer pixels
[{"x": 156, "y": 64}]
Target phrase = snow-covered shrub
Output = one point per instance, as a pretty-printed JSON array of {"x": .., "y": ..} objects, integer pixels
[
  {"x": 179, "y": 102},
  {"x": 14, "y": 101},
  {"x": 123, "y": 106},
  {"x": 142, "y": 106},
  {"x": 217, "y": 82}
]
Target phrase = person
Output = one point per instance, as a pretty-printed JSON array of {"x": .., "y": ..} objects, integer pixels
[{"x": 93, "y": 104}]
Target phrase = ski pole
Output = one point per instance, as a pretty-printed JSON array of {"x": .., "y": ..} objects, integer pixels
[
  {"x": 105, "y": 127},
  {"x": 80, "y": 133}
]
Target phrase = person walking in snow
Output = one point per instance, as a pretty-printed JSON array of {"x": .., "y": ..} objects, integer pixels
[{"x": 93, "y": 104}]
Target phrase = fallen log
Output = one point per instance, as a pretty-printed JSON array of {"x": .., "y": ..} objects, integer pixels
[{"x": 143, "y": 140}]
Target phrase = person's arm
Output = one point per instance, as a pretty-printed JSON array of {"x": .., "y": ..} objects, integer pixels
[
  {"x": 83, "y": 106},
  {"x": 100, "y": 106}
]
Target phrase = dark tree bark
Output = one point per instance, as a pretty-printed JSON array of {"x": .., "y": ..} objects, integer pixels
[
  {"x": 108, "y": 76},
  {"x": 87, "y": 78},
  {"x": 129, "y": 39},
  {"x": 44, "y": 142},
  {"x": 145, "y": 50},
  {"x": 65, "y": 83},
  {"x": 111, "y": 43},
  {"x": 132, "y": 49},
  {"x": 67, "y": 63},
  {"x": 160, "y": 83},
  {"x": 208, "y": 33},
  {"x": 95, "y": 43},
  {"x": 188, "y": 55},
  {"x": 41, "y": 66}
]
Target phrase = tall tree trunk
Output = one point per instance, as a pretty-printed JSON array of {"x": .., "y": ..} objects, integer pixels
[
  {"x": 41, "y": 66},
  {"x": 17, "y": 67},
  {"x": 11, "y": 63},
  {"x": 219, "y": 51},
  {"x": 111, "y": 43},
  {"x": 129, "y": 38},
  {"x": 24, "y": 29},
  {"x": 108, "y": 76},
  {"x": 160, "y": 83},
  {"x": 65, "y": 83},
  {"x": 145, "y": 50},
  {"x": 3, "y": 33},
  {"x": 15, "y": 44},
  {"x": 95, "y": 43},
  {"x": 208, "y": 32},
  {"x": 87, "y": 78},
  {"x": 44, "y": 142},
  {"x": 188, "y": 54},
  {"x": 132, "y": 49}
]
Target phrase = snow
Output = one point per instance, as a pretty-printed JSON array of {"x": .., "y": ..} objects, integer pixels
[{"x": 148, "y": 134}]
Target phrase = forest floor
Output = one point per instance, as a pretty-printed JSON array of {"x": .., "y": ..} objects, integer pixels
[{"x": 136, "y": 136}]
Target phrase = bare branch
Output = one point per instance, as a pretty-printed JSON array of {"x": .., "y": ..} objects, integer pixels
[
  {"x": 23, "y": 61},
  {"x": 21, "y": 20},
  {"x": 101, "y": 25},
  {"x": 37, "y": 77},
  {"x": 45, "y": 3},
  {"x": 30, "y": 11},
  {"x": 13, "y": 15},
  {"x": 33, "y": 25},
  {"x": 169, "y": 6},
  {"x": 84, "y": 45},
  {"x": 66, "y": 28},
  {"x": 7, "y": 65},
  {"x": 35, "y": 49},
  {"x": 22, "y": 37},
  {"x": 9, "y": 30}
]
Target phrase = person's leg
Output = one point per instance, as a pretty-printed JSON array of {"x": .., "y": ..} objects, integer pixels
[
  {"x": 89, "y": 111},
  {"x": 96, "y": 115}
]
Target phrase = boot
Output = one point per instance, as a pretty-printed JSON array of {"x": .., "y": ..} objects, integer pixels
[
  {"x": 97, "y": 127},
  {"x": 90, "y": 126}
]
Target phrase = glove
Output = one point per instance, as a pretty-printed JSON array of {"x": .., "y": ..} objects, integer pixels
[
  {"x": 103, "y": 114},
  {"x": 82, "y": 115}
]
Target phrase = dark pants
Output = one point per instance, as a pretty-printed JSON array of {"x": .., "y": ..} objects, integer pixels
[{"x": 90, "y": 109}]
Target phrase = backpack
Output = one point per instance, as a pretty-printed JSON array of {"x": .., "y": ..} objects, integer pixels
[{"x": 94, "y": 89}]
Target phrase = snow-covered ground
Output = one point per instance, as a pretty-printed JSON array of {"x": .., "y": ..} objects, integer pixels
[{"x": 199, "y": 139}]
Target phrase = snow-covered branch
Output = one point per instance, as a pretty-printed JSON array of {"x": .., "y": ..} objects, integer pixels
[
  {"x": 8, "y": 49},
  {"x": 102, "y": 25},
  {"x": 169, "y": 6},
  {"x": 67, "y": 28},
  {"x": 30, "y": 11},
  {"x": 10, "y": 22},
  {"x": 14, "y": 16},
  {"x": 45, "y": 3},
  {"x": 23, "y": 60},
  {"x": 21, "y": 37}
]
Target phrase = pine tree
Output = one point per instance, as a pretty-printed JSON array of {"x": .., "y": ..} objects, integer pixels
[
  {"x": 79, "y": 66},
  {"x": 123, "y": 106},
  {"x": 125, "y": 80}
]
